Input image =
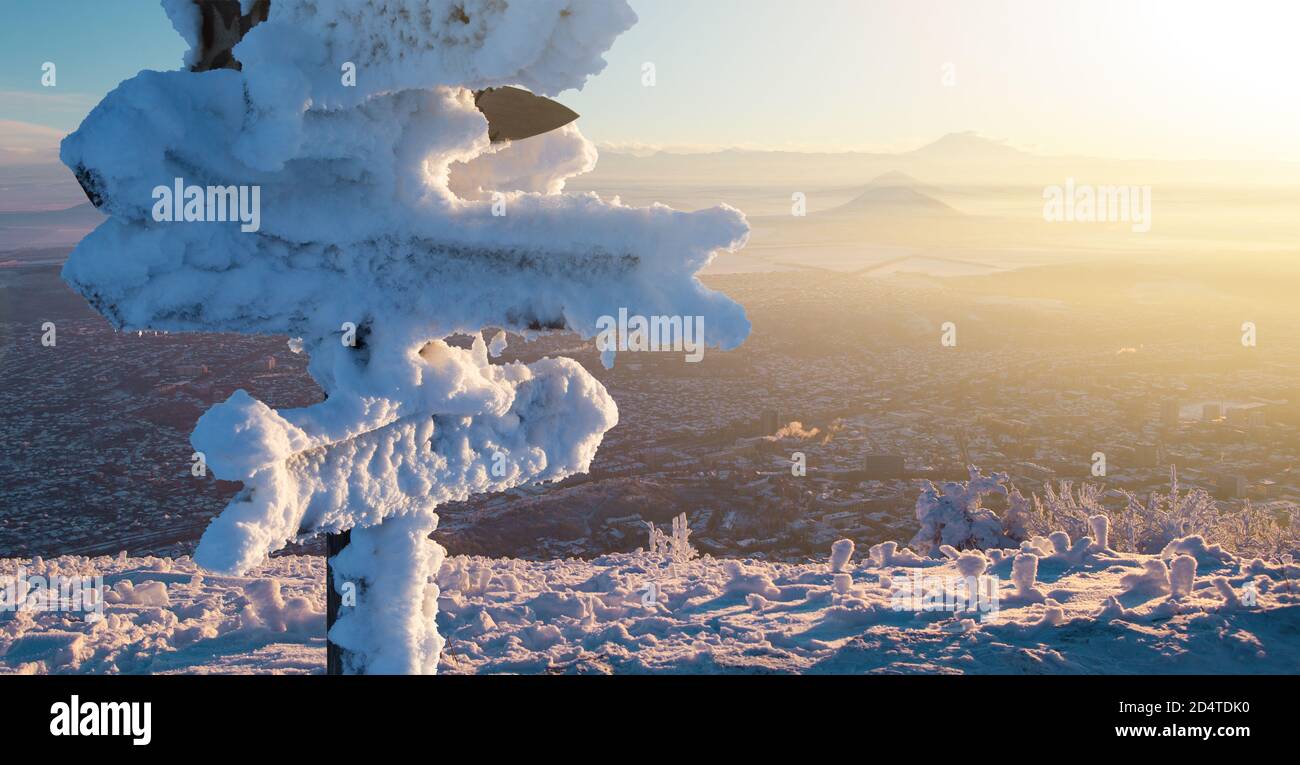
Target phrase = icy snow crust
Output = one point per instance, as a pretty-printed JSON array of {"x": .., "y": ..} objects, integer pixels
[
  {"x": 709, "y": 616},
  {"x": 377, "y": 207}
]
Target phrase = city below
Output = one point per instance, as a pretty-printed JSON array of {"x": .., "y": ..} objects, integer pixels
[{"x": 825, "y": 425}]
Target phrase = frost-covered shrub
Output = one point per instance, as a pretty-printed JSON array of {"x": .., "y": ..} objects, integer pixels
[
  {"x": 676, "y": 548},
  {"x": 681, "y": 540},
  {"x": 1065, "y": 508},
  {"x": 952, "y": 514},
  {"x": 1018, "y": 520},
  {"x": 657, "y": 544},
  {"x": 1148, "y": 526},
  {"x": 1165, "y": 517},
  {"x": 1256, "y": 532}
]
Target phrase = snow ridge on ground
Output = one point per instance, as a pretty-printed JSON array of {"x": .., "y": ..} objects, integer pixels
[{"x": 1079, "y": 608}]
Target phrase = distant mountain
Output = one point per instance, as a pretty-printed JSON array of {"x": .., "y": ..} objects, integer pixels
[
  {"x": 968, "y": 146},
  {"x": 78, "y": 215},
  {"x": 894, "y": 194},
  {"x": 895, "y": 179},
  {"x": 955, "y": 160},
  {"x": 47, "y": 228}
]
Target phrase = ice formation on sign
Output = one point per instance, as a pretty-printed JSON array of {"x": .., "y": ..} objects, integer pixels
[{"x": 380, "y": 216}]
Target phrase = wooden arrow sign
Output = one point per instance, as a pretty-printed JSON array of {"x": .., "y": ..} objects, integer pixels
[{"x": 514, "y": 114}]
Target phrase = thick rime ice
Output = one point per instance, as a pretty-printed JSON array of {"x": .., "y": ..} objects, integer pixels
[
  {"x": 380, "y": 221},
  {"x": 841, "y": 551},
  {"x": 1210, "y": 556},
  {"x": 1153, "y": 580},
  {"x": 353, "y": 462},
  {"x": 392, "y": 630},
  {"x": 1182, "y": 576},
  {"x": 1024, "y": 575},
  {"x": 971, "y": 564},
  {"x": 1100, "y": 526}
]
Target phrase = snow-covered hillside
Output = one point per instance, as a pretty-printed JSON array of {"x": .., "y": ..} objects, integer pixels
[{"x": 1060, "y": 607}]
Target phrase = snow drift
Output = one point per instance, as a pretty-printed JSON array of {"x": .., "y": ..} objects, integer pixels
[{"x": 708, "y": 616}]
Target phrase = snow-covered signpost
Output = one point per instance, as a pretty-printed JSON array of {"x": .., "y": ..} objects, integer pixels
[{"x": 340, "y": 187}]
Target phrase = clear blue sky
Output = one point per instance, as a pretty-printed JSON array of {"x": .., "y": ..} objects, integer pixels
[
  {"x": 94, "y": 43},
  {"x": 1132, "y": 78}
]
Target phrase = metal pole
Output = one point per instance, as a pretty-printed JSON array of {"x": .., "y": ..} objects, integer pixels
[{"x": 334, "y": 544}]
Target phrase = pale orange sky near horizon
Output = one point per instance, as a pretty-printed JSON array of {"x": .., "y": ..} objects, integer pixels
[{"x": 1168, "y": 79}]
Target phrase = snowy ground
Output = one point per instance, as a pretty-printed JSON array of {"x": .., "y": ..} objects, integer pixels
[{"x": 1086, "y": 612}]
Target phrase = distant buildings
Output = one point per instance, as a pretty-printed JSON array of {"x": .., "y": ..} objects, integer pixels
[
  {"x": 1169, "y": 413},
  {"x": 1005, "y": 427},
  {"x": 884, "y": 467},
  {"x": 1231, "y": 487},
  {"x": 1035, "y": 471},
  {"x": 1146, "y": 455}
]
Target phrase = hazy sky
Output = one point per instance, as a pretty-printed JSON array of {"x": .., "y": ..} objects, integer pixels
[{"x": 1123, "y": 78}]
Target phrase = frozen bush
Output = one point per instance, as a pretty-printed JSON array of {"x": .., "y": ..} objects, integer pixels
[
  {"x": 952, "y": 514},
  {"x": 1146, "y": 526}
]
